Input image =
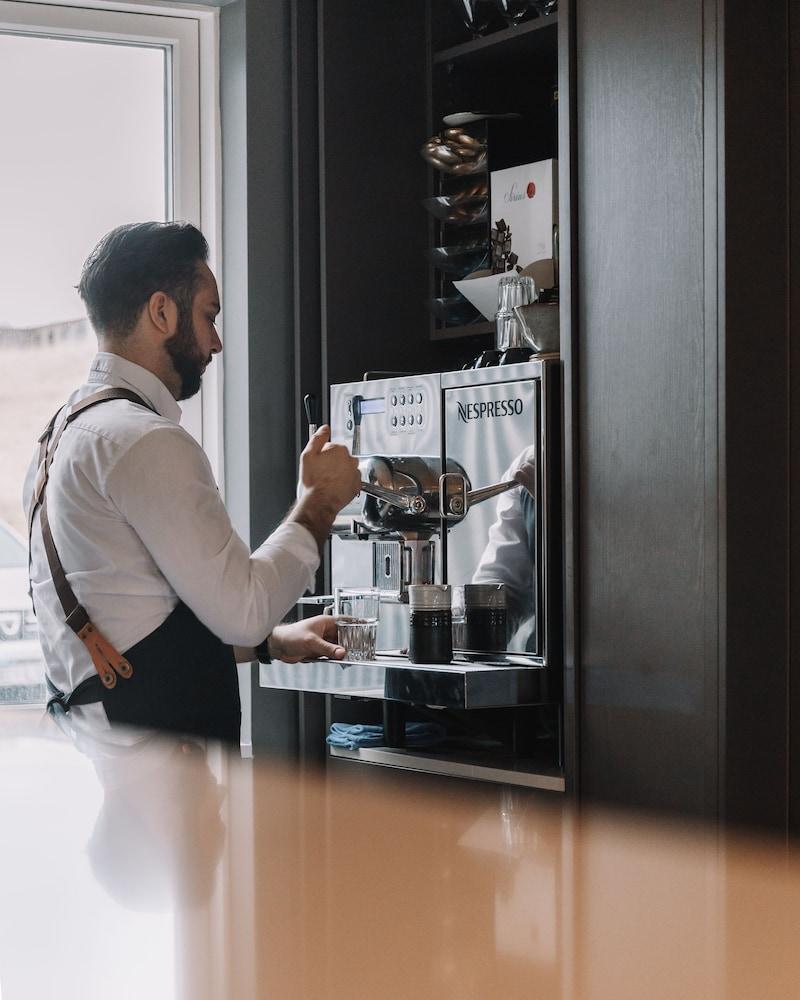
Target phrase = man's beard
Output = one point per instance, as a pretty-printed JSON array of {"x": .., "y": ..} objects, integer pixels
[{"x": 186, "y": 358}]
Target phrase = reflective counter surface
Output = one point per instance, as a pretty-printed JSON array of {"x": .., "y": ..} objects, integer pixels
[
  {"x": 170, "y": 873},
  {"x": 508, "y": 682}
]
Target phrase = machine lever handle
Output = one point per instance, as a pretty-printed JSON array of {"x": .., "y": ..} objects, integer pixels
[
  {"x": 395, "y": 499},
  {"x": 487, "y": 492}
]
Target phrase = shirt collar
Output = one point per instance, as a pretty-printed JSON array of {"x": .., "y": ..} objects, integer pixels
[{"x": 111, "y": 369}]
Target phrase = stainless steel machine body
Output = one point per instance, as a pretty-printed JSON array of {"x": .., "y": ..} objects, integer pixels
[{"x": 450, "y": 446}]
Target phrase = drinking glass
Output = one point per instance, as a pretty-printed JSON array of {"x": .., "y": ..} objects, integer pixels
[
  {"x": 459, "y": 613},
  {"x": 513, "y": 10},
  {"x": 476, "y": 14},
  {"x": 357, "y": 611},
  {"x": 514, "y": 290}
]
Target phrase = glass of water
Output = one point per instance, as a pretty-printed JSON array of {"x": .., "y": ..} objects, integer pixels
[
  {"x": 459, "y": 613},
  {"x": 357, "y": 610}
]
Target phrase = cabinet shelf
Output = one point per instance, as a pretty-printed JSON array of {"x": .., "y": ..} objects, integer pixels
[
  {"x": 541, "y": 31},
  {"x": 468, "y": 330},
  {"x": 504, "y": 770}
]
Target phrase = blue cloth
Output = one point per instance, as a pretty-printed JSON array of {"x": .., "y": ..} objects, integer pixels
[{"x": 353, "y": 737}]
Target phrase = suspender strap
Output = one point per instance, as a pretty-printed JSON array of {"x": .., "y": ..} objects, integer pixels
[
  {"x": 108, "y": 662},
  {"x": 47, "y": 451},
  {"x": 38, "y": 488}
]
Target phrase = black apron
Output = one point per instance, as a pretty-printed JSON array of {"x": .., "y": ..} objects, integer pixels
[{"x": 180, "y": 679}]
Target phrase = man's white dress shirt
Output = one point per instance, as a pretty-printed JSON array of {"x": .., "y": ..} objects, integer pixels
[
  {"x": 507, "y": 557},
  {"x": 139, "y": 524}
]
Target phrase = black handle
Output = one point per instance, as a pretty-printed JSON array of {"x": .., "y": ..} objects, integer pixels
[{"x": 312, "y": 413}]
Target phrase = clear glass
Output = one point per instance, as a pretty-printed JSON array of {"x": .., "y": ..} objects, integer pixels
[
  {"x": 459, "y": 618},
  {"x": 514, "y": 290},
  {"x": 513, "y": 10},
  {"x": 78, "y": 159},
  {"x": 358, "y": 612},
  {"x": 476, "y": 15}
]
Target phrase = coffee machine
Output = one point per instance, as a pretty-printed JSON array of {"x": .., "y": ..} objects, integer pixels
[{"x": 461, "y": 484}]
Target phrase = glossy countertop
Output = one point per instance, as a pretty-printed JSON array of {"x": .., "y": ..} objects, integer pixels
[{"x": 172, "y": 873}]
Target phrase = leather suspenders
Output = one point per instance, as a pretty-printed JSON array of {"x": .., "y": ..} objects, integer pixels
[{"x": 108, "y": 662}]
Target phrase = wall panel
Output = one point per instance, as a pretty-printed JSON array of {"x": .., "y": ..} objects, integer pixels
[{"x": 642, "y": 403}]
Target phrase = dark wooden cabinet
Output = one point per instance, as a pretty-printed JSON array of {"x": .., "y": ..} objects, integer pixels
[
  {"x": 645, "y": 358},
  {"x": 678, "y": 179},
  {"x": 682, "y": 370}
]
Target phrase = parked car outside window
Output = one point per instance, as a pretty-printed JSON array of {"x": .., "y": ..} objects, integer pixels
[{"x": 21, "y": 663}]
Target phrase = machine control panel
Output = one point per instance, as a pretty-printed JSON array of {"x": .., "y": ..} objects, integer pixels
[
  {"x": 367, "y": 416},
  {"x": 406, "y": 410}
]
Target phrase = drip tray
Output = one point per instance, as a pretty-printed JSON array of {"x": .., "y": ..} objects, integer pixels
[{"x": 505, "y": 683}]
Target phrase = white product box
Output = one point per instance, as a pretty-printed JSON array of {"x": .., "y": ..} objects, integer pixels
[{"x": 527, "y": 198}]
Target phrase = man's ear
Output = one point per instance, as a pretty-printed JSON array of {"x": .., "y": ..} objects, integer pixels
[{"x": 162, "y": 312}]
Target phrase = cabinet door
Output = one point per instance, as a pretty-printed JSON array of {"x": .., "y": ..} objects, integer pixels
[
  {"x": 646, "y": 350},
  {"x": 373, "y": 119}
]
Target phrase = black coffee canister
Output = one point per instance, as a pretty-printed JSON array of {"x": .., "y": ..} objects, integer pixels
[
  {"x": 430, "y": 633},
  {"x": 485, "y": 609}
]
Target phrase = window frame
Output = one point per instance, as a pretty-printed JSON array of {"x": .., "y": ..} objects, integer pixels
[{"x": 190, "y": 34}]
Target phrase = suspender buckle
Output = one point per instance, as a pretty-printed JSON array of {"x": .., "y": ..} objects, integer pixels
[
  {"x": 108, "y": 662},
  {"x": 77, "y": 619}
]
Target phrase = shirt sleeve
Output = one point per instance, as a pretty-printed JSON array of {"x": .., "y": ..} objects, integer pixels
[
  {"x": 164, "y": 487},
  {"x": 507, "y": 558}
]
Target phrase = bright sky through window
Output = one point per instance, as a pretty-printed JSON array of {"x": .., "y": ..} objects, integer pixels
[{"x": 82, "y": 126}]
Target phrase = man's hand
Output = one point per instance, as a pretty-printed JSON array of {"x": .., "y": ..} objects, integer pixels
[
  {"x": 524, "y": 470},
  {"x": 330, "y": 479},
  {"x": 306, "y": 640},
  {"x": 328, "y": 471}
]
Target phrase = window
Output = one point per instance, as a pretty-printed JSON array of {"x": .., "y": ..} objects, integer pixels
[{"x": 109, "y": 124}]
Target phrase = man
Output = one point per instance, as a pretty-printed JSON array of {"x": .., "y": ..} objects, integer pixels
[{"x": 141, "y": 586}]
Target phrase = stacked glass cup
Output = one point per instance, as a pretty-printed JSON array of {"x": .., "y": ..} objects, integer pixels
[{"x": 513, "y": 290}]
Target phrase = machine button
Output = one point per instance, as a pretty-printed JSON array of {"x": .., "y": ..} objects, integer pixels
[
  {"x": 419, "y": 419},
  {"x": 394, "y": 421},
  {"x": 349, "y": 405},
  {"x": 411, "y": 420},
  {"x": 402, "y": 400},
  {"x": 394, "y": 400},
  {"x": 419, "y": 397},
  {"x": 349, "y": 425},
  {"x": 402, "y": 421}
]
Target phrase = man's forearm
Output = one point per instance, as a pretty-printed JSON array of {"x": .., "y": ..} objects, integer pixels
[{"x": 315, "y": 516}]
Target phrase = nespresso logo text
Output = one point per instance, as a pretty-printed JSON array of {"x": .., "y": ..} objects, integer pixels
[{"x": 490, "y": 408}]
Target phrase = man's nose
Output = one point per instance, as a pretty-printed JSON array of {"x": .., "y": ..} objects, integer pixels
[{"x": 216, "y": 344}]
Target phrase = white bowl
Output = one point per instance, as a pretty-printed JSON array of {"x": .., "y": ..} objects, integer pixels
[{"x": 482, "y": 292}]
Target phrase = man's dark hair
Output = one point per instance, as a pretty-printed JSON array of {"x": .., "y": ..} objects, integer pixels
[{"x": 132, "y": 262}]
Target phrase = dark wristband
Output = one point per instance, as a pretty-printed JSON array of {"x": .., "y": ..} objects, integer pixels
[{"x": 262, "y": 651}]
